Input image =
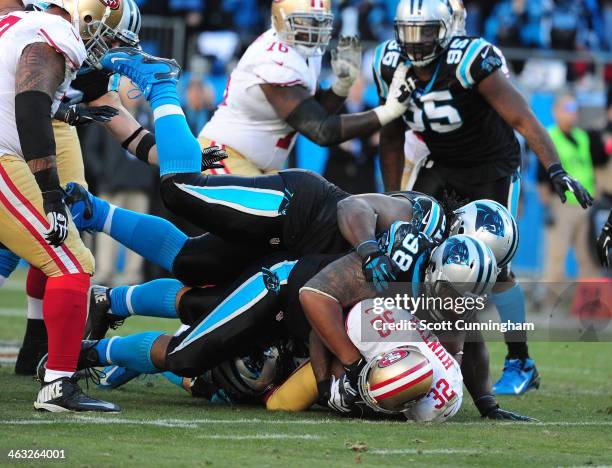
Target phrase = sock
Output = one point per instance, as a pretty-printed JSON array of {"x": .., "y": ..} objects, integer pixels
[
  {"x": 8, "y": 263},
  {"x": 174, "y": 379},
  {"x": 177, "y": 149},
  {"x": 133, "y": 351},
  {"x": 156, "y": 298},
  {"x": 65, "y": 312},
  {"x": 51, "y": 375},
  {"x": 511, "y": 308},
  {"x": 151, "y": 237}
]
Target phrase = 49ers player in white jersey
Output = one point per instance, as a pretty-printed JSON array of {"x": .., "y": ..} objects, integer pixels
[
  {"x": 273, "y": 94},
  {"x": 426, "y": 388}
]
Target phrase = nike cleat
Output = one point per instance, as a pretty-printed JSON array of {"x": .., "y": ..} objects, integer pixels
[
  {"x": 115, "y": 376},
  {"x": 143, "y": 69},
  {"x": 88, "y": 212},
  {"x": 518, "y": 377},
  {"x": 29, "y": 355},
  {"x": 64, "y": 394},
  {"x": 99, "y": 315}
]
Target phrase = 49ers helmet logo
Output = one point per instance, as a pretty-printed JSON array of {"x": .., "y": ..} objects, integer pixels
[
  {"x": 392, "y": 357},
  {"x": 112, "y": 4}
]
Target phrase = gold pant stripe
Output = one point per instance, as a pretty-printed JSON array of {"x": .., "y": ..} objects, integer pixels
[{"x": 235, "y": 163}]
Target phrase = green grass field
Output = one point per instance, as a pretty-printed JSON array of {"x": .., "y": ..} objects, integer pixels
[{"x": 162, "y": 426}]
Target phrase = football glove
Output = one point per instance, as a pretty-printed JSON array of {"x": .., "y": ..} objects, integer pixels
[
  {"x": 346, "y": 64},
  {"x": 398, "y": 99},
  {"x": 342, "y": 395},
  {"x": 503, "y": 415},
  {"x": 562, "y": 182},
  {"x": 211, "y": 157},
  {"x": 604, "y": 243},
  {"x": 377, "y": 267},
  {"x": 55, "y": 208},
  {"x": 82, "y": 115}
]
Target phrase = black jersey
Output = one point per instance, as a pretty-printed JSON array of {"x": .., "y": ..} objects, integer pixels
[
  {"x": 461, "y": 130},
  {"x": 312, "y": 214}
]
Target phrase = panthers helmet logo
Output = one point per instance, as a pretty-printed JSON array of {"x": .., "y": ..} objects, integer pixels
[
  {"x": 490, "y": 220},
  {"x": 456, "y": 252},
  {"x": 271, "y": 280}
]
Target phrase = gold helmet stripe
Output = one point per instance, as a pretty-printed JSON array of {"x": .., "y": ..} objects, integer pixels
[{"x": 404, "y": 384}]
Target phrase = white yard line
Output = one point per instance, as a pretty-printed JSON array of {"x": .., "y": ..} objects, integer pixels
[
  {"x": 261, "y": 437},
  {"x": 425, "y": 451}
]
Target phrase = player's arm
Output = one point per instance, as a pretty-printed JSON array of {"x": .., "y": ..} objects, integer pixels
[
  {"x": 298, "y": 108},
  {"x": 125, "y": 129},
  {"x": 392, "y": 158},
  {"x": 39, "y": 73},
  {"x": 510, "y": 104},
  {"x": 360, "y": 217}
]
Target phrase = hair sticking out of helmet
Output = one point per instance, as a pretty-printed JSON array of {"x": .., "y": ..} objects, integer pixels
[
  {"x": 395, "y": 380},
  {"x": 490, "y": 222},
  {"x": 303, "y": 24},
  {"x": 423, "y": 29},
  {"x": 462, "y": 266}
]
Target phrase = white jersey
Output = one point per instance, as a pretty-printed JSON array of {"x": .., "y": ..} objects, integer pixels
[
  {"x": 446, "y": 393},
  {"x": 17, "y": 30},
  {"x": 245, "y": 120}
]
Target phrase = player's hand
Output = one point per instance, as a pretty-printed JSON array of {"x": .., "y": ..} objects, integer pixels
[
  {"x": 346, "y": 64},
  {"x": 604, "y": 243},
  {"x": 503, "y": 415},
  {"x": 562, "y": 182},
  {"x": 378, "y": 268},
  {"x": 398, "y": 98},
  {"x": 81, "y": 115},
  {"x": 342, "y": 395},
  {"x": 211, "y": 157},
  {"x": 77, "y": 198},
  {"x": 55, "y": 208}
]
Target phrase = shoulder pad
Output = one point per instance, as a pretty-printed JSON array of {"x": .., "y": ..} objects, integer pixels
[
  {"x": 474, "y": 59},
  {"x": 386, "y": 59}
]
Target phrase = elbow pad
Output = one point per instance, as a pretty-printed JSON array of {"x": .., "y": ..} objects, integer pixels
[
  {"x": 33, "y": 120},
  {"x": 310, "y": 119}
]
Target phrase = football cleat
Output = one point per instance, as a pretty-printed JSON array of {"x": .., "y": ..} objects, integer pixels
[
  {"x": 518, "y": 377},
  {"x": 88, "y": 212},
  {"x": 88, "y": 358},
  {"x": 29, "y": 355},
  {"x": 64, "y": 394},
  {"x": 99, "y": 315},
  {"x": 115, "y": 376},
  {"x": 143, "y": 69}
]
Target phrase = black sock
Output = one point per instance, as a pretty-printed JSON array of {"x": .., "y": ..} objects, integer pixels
[
  {"x": 517, "y": 350},
  {"x": 35, "y": 331}
]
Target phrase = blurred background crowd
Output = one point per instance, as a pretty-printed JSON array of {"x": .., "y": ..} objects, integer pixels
[{"x": 560, "y": 55}]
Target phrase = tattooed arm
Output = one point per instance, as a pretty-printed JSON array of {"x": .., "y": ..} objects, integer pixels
[
  {"x": 40, "y": 71},
  {"x": 339, "y": 285}
]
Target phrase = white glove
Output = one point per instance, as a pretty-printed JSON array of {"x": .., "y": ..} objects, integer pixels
[
  {"x": 346, "y": 64},
  {"x": 398, "y": 98},
  {"x": 342, "y": 395}
]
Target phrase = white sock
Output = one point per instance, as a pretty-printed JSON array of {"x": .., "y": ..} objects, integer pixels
[
  {"x": 35, "y": 310},
  {"x": 51, "y": 375}
]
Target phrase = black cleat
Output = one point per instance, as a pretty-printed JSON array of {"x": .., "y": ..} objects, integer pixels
[
  {"x": 29, "y": 355},
  {"x": 64, "y": 394},
  {"x": 87, "y": 360},
  {"x": 99, "y": 315}
]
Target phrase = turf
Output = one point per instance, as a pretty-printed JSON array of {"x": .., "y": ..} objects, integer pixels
[{"x": 162, "y": 426}]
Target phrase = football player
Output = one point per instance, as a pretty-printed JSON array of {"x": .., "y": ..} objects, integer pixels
[
  {"x": 42, "y": 52},
  {"x": 466, "y": 110},
  {"x": 604, "y": 243}
]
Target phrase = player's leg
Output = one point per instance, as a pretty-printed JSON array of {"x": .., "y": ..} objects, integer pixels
[
  {"x": 68, "y": 268},
  {"x": 430, "y": 182}
]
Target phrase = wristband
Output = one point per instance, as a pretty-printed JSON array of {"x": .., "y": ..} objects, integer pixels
[
  {"x": 485, "y": 404},
  {"x": 323, "y": 388},
  {"x": 131, "y": 138},
  {"x": 554, "y": 169},
  {"x": 144, "y": 146},
  {"x": 367, "y": 248}
]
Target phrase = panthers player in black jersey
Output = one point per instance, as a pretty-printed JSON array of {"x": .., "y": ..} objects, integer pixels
[{"x": 466, "y": 111}]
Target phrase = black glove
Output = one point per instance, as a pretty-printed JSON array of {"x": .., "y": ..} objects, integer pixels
[
  {"x": 562, "y": 182},
  {"x": 378, "y": 268},
  {"x": 323, "y": 390},
  {"x": 353, "y": 370},
  {"x": 81, "y": 115},
  {"x": 76, "y": 193},
  {"x": 342, "y": 395},
  {"x": 211, "y": 157},
  {"x": 55, "y": 208},
  {"x": 503, "y": 415},
  {"x": 604, "y": 243}
]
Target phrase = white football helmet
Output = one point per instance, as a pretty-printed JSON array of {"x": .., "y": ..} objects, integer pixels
[
  {"x": 490, "y": 222},
  {"x": 303, "y": 24},
  {"x": 395, "y": 380},
  {"x": 461, "y": 266},
  {"x": 423, "y": 29}
]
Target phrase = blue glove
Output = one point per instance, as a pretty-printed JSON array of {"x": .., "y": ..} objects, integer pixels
[{"x": 378, "y": 268}]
